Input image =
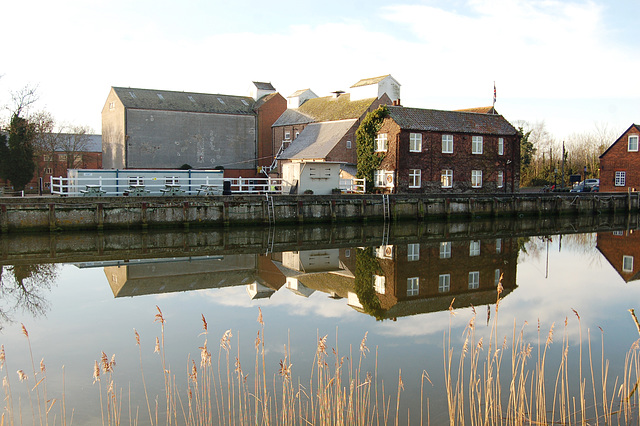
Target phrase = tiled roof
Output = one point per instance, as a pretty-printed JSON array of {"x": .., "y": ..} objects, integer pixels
[
  {"x": 372, "y": 80},
  {"x": 450, "y": 121},
  {"x": 317, "y": 140},
  {"x": 328, "y": 108},
  {"x": 166, "y": 100}
]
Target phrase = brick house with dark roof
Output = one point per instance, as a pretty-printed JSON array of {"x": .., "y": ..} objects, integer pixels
[
  {"x": 429, "y": 150},
  {"x": 620, "y": 163},
  {"x": 160, "y": 129},
  {"x": 621, "y": 249}
]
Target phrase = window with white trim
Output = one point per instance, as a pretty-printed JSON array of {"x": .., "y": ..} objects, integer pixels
[
  {"x": 379, "y": 283},
  {"x": 381, "y": 142},
  {"x": 287, "y": 135},
  {"x": 476, "y": 144},
  {"x": 500, "y": 146},
  {"x": 348, "y": 144},
  {"x": 474, "y": 280},
  {"x": 633, "y": 143},
  {"x": 498, "y": 245},
  {"x": 378, "y": 178},
  {"x": 445, "y": 250},
  {"x": 446, "y": 178},
  {"x": 447, "y": 144},
  {"x": 414, "y": 178},
  {"x": 444, "y": 283},
  {"x": 621, "y": 178},
  {"x": 413, "y": 252},
  {"x": 413, "y": 286},
  {"x": 474, "y": 248},
  {"x": 415, "y": 142},
  {"x": 500, "y": 180},
  {"x": 496, "y": 277},
  {"x": 48, "y": 171},
  {"x": 297, "y": 134},
  {"x": 627, "y": 263},
  {"x": 476, "y": 178}
]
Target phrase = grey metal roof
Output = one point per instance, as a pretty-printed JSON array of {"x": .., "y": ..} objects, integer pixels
[
  {"x": 317, "y": 140},
  {"x": 450, "y": 121},
  {"x": 263, "y": 86},
  {"x": 93, "y": 143},
  {"x": 166, "y": 100}
]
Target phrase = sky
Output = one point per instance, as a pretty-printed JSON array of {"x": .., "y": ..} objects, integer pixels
[{"x": 572, "y": 64}]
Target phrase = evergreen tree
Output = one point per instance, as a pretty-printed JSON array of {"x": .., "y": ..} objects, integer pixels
[{"x": 16, "y": 154}]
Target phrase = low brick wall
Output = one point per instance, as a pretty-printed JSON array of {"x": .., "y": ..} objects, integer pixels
[{"x": 68, "y": 213}]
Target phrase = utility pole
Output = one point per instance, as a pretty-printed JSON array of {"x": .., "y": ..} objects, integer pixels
[{"x": 563, "y": 155}]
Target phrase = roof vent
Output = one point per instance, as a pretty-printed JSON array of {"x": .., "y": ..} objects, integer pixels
[
  {"x": 160, "y": 96},
  {"x": 337, "y": 93},
  {"x": 221, "y": 101}
]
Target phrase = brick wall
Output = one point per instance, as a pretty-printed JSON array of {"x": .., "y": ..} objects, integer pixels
[{"x": 619, "y": 159}]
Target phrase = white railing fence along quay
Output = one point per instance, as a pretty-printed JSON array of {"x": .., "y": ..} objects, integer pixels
[{"x": 139, "y": 185}]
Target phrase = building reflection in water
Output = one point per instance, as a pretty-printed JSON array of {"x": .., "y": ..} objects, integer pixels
[
  {"x": 387, "y": 282},
  {"x": 621, "y": 249}
]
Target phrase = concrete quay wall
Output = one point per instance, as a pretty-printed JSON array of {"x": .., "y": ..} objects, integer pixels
[{"x": 101, "y": 213}]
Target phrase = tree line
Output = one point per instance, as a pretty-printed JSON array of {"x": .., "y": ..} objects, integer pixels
[
  {"x": 546, "y": 161},
  {"x": 28, "y": 137}
]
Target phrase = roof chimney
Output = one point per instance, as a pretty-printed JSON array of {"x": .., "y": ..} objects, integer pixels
[{"x": 337, "y": 93}]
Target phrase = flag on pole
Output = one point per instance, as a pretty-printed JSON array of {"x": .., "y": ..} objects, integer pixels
[{"x": 494, "y": 93}]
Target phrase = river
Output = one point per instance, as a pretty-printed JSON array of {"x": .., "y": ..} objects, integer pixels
[{"x": 392, "y": 300}]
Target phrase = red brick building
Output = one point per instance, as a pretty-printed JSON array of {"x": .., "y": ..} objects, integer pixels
[
  {"x": 447, "y": 151},
  {"x": 620, "y": 163}
]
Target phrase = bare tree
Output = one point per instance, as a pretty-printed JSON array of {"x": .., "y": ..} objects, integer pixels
[
  {"x": 22, "y": 99},
  {"x": 74, "y": 142}
]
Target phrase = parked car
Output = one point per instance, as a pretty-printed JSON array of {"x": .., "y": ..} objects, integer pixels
[
  {"x": 581, "y": 187},
  {"x": 595, "y": 188},
  {"x": 591, "y": 182}
]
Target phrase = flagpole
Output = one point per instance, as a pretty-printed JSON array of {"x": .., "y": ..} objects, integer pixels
[{"x": 494, "y": 96}]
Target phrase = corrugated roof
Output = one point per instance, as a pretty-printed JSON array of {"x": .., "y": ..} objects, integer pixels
[
  {"x": 166, "y": 100},
  {"x": 450, "y": 121},
  {"x": 372, "y": 80},
  {"x": 317, "y": 140}
]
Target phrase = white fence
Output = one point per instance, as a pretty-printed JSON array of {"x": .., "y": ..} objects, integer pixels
[{"x": 173, "y": 185}]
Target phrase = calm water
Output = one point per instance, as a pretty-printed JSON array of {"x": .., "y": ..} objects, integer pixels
[{"x": 80, "y": 295}]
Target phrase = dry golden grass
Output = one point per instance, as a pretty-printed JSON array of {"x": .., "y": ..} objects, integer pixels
[{"x": 488, "y": 380}]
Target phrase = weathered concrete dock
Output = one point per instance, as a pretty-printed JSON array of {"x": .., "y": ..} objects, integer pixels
[{"x": 102, "y": 213}]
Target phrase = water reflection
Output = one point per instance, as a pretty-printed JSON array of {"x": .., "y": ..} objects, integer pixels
[{"x": 385, "y": 272}]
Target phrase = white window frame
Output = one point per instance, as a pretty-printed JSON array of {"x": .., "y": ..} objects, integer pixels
[
  {"x": 498, "y": 245},
  {"x": 381, "y": 142},
  {"x": 348, "y": 144},
  {"x": 474, "y": 248},
  {"x": 627, "y": 263},
  {"x": 413, "y": 286},
  {"x": 620, "y": 178},
  {"x": 446, "y": 178},
  {"x": 500, "y": 146},
  {"x": 476, "y": 178},
  {"x": 496, "y": 277},
  {"x": 415, "y": 178},
  {"x": 287, "y": 135},
  {"x": 447, "y": 144},
  {"x": 474, "y": 280},
  {"x": 500, "y": 181},
  {"x": 413, "y": 252},
  {"x": 476, "y": 144},
  {"x": 445, "y": 250},
  {"x": 379, "y": 283},
  {"x": 632, "y": 144},
  {"x": 415, "y": 142},
  {"x": 444, "y": 283},
  {"x": 48, "y": 170},
  {"x": 378, "y": 178}
]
